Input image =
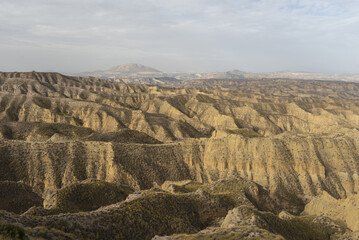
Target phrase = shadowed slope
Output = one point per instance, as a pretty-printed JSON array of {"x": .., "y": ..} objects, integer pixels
[
  {"x": 295, "y": 138},
  {"x": 17, "y": 197}
]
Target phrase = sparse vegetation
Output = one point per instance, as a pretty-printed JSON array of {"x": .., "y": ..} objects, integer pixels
[
  {"x": 88, "y": 196},
  {"x": 11, "y": 232},
  {"x": 84, "y": 95},
  {"x": 123, "y": 136},
  {"x": 42, "y": 102},
  {"x": 17, "y": 197},
  {"x": 288, "y": 140},
  {"x": 245, "y": 132}
]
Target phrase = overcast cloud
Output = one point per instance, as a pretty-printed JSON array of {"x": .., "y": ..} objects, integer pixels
[{"x": 180, "y": 35}]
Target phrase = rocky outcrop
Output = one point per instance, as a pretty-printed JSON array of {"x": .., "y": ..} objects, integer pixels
[
  {"x": 246, "y": 222},
  {"x": 291, "y": 139},
  {"x": 291, "y": 168},
  {"x": 221, "y": 210},
  {"x": 48, "y": 165},
  {"x": 155, "y": 212},
  {"x": 268, "y": 107},
  {"x": 309, "y": 227},
  {"x": 343, "y": 210},
  {"x": 246, "y": 232}
]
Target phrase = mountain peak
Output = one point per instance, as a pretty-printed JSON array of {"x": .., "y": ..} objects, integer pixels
[
  {"x": 133, "y": 68},
  {"x": 235, "y": 71}
]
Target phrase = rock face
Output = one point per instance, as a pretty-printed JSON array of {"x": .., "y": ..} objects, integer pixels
[
  {"x": 292, "y": 169},
  {"x": 295, "y": 138},
  {"x": 51, "y": 165},
  {"x": 291, "y": 139},
  {"x": 344, "y": 210},
  {"x": 294, "y": 228},
  {"x": 246, "y": 232},
  {"x": 245, "y": 221}
]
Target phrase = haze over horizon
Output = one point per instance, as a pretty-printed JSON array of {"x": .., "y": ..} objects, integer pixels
[{"x": 201, "y": 35}]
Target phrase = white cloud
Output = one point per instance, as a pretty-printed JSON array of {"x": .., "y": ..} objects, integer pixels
[{"x": 261, "y": 35}]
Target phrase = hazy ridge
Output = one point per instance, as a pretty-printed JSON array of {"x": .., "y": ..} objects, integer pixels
[{"x": 136, "y": 71}]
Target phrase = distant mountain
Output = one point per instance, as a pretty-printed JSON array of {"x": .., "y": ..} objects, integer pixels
[
  {"x": 132, "y": 68},
  {"x": 143, "y": 74},
  {"x": 233, "y": 74}
]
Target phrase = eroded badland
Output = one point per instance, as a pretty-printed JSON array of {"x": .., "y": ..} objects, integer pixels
[{"x": 85, "y": 158}]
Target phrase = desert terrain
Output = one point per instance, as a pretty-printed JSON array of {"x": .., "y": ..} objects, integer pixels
[{"x": 165, "y": 158}]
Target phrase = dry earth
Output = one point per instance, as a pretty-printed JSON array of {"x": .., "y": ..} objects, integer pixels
[{"x": 289, "y": 140}]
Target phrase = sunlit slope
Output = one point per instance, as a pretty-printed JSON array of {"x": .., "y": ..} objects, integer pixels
[{"x": 295, "y": 138}]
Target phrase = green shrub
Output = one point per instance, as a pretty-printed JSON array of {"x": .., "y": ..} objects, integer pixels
[
  {"x": 42, "y": 102},
  {"x": 9, "y": 231}
]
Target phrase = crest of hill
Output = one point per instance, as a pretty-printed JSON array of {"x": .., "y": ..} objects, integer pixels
[
  {"x": 132, "y": 68},
  {"x": 17, "y": 197}
]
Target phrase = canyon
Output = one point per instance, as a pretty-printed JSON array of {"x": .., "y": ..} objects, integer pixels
[{"x": 214, "y": 157}]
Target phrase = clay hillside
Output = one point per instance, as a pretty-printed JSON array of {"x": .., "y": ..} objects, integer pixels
[{"x": 85, "y": 158}]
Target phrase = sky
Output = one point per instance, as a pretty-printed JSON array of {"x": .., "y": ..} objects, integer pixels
[{"x": 180, "y": 35}]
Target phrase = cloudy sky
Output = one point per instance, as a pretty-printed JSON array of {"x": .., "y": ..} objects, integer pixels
[{"x": 180, "y": 35}]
